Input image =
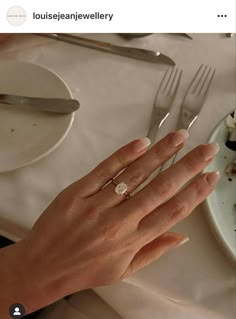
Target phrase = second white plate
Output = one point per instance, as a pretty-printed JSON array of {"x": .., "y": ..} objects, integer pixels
[{"x": 221, "y": 203}]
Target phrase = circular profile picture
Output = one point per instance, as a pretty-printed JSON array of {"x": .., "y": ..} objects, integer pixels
[
  {"x": 16, "y": 16},
  {"x": 17, "y": 311}
]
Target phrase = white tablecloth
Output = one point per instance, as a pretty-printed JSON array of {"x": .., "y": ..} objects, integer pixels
[{"x": 116, "y": 95}]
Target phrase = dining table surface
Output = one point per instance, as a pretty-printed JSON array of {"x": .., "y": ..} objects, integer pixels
[{"x": 116, "y": 95}]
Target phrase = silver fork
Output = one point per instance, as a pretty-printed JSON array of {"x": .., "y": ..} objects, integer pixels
[
  {"x": 162, "y": 107},
  {"x": 194, "y": 99},
  {"x": 163, "y": 101},
  {"x": 195, "y": 96}
]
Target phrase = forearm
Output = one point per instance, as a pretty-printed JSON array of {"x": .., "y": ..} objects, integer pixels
[{"x": 19, "y": 282}]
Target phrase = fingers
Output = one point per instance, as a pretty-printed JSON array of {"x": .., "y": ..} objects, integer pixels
[
  {"x": 169, "y": 182},
  {"x": 179, "y": 207},
  {"x": 154, "y": 250},
  {"x": 111, "y": 166},
  {"x": 139, "y": 170}
]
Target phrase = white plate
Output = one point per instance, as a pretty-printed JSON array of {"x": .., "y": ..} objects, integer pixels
[
  {"x": 220, "y": 204},
  {"x": 25, "y": 136}
]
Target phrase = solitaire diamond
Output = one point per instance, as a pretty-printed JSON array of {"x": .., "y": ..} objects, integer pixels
[{"x": 121, "y": 188}]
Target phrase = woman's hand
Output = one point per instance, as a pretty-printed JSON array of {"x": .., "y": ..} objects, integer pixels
[{"x": 91, "y": 236}]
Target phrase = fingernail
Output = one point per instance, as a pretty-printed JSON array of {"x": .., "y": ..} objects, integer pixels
[
  {"x": 212, "y": 178},
  {"x": 210, "y": 150},
  {"x": 182, "y": 241},
  {"x": 179, "y": 137},
  {"x": 141, "y": 144}
]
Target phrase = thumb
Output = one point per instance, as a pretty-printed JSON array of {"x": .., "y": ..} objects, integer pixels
[{"x": 153, "y": 250}]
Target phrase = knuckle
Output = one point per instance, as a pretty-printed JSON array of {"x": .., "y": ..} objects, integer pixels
[
  {"x": 200, "y": 187},
  {"x": 193, "y": 161},
  {"x": 103, "y": 174},
  {"x": 165, "y": 188},
  {"x": 146, "y": 206},
  {"x": 137, "y": 178},
  {"x": 111, "y": 230},
  {"x": 134, "y": 242},
  {"x": 120, "y": 159},
  {"x": 178, "y": 210},
  {"x": 201, "y": 151},
  {"x": 158, "y": 151},
  {"x": 190, "y": 164},
  {"x": 92, "y": 211}
]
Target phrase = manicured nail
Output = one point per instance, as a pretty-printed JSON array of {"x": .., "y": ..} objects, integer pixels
[
  {"x": 210, "y": 150},
  {"x": 212, "y": 178},
  {"x": 179, "y": 137},
  {"x": 141, "y": 144},
  {"x": 182, "y": 241}
]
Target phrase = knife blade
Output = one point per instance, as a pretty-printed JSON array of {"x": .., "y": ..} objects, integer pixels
[
  {"x": 54, "y": 105},
  {"x": 185, "y": 35},
  {"x": 131, "y": 52}
]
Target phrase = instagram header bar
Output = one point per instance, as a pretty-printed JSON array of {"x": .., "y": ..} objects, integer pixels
[{"x": 123, "y": 16}]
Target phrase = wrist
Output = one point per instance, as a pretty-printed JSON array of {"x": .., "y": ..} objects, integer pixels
[
  {"x": 39, "y": 283},
  {"x": 21, "y": 282},
  {"x": 12, "y": 288}
]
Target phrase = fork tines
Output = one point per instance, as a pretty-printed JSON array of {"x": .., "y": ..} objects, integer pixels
[
  {"x": 170, "y": 83},
  {"x": 202, "y": 80}
]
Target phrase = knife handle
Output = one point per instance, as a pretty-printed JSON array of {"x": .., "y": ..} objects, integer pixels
[
  {"x": 88, "y": 43},
  {"x": 56, "y": 105}
]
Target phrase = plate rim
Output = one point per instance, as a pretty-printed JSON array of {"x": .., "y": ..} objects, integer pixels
[
  {"x": 53, "y": 148},
  {"x": 220, "y": 239}
]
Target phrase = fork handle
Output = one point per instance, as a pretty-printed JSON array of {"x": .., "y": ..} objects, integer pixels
[
  {"x": 186, "y": 119},
  {"x": 156, "y": 122}
]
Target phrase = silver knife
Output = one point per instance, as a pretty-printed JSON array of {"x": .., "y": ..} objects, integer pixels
[
  {"x": 136, "y": 53},
  {"x": 63, "y": 106}
]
